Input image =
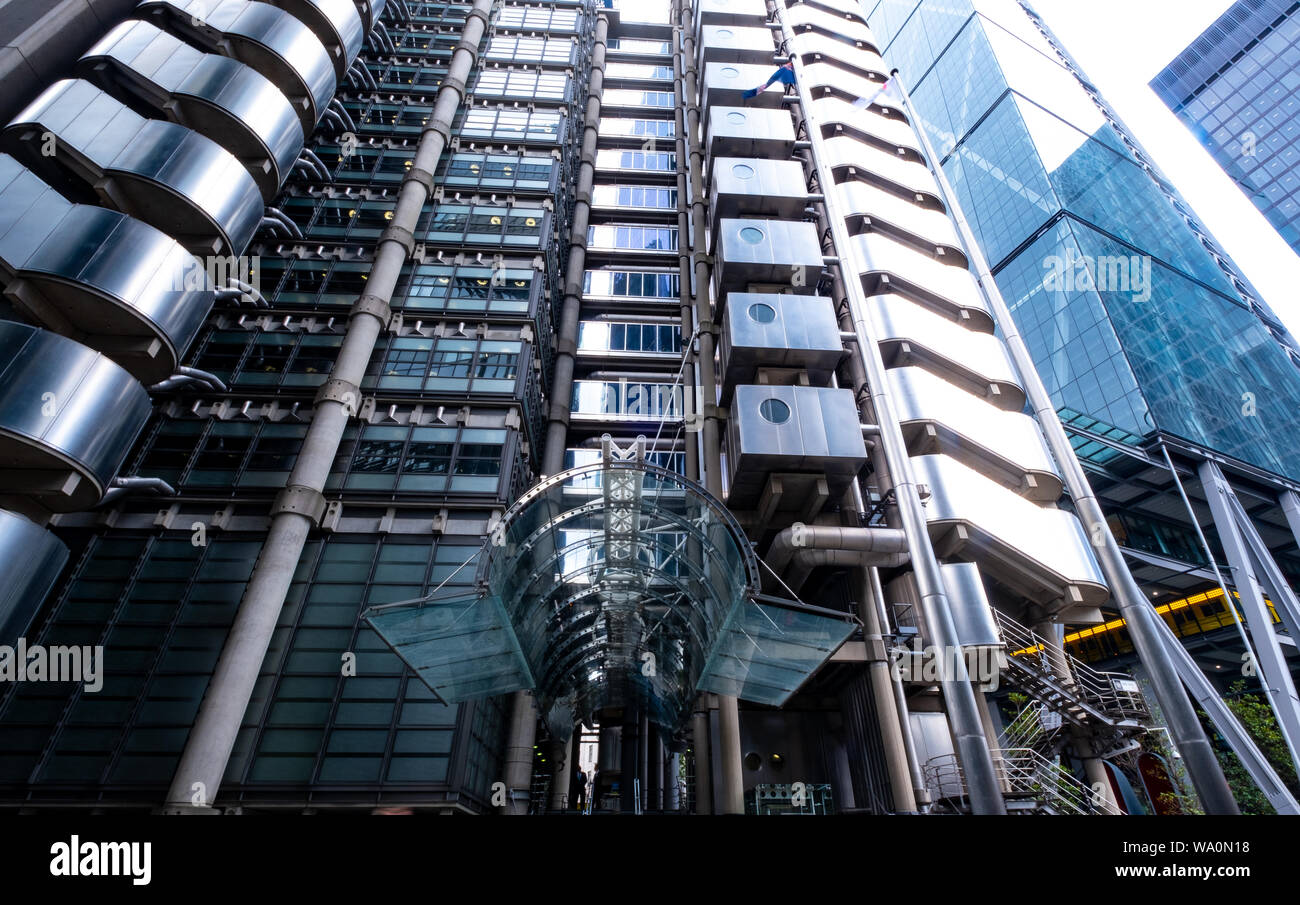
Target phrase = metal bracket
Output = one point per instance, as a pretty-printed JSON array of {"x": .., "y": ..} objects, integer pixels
[
  {"x": 374, "y": 306},
  {"x": 402, "y": 236},
  {"x": 340, "y": 391},
  {"x": 422, "y": 176},
  {"x": 300, "y": 500}
]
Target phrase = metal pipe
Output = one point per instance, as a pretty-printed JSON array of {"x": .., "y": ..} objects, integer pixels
[
  {"x": 1145, "y": 626},
  {"x": 258, "y": 299},
  {"x": 962, "y": 709},
  {"x": 186, "y": 375},
  {"x": 301, "y": 504},
  {"x": 337, "y": 106},
  {"x": 124, "y": 486},
  {"x": 920, "y": 791},
  {"x": 901, "y": 782},
  {"x": 883, "y": 547},
  {"x": 311, "y": 157}
]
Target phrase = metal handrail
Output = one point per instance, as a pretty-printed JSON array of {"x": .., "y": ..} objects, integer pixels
[
  {"x": 1100, "y": 691},
  {"x": 1023, "y": 773}
]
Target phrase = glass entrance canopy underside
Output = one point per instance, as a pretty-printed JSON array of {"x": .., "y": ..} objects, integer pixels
[{"x": 615, "y": 584}]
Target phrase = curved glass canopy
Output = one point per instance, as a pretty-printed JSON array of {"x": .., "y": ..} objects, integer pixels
[{"x": 617, "y": 584}]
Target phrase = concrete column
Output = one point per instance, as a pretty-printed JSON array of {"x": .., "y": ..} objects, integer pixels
[
  {"x": 300, "y": 506},
  {"x": 519, "y": 753},
  {"x": 732, "y": 800},
  {"x": 627, "y": 786},
  {"x": 703, "y": 769},
  {"x": 672, "y": 789},
  {"x": 882, "y": 692},
  {"x": 560, "y": 754}
]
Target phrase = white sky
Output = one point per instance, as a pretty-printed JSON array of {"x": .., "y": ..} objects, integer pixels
[{"x": 1121, "y": 45}]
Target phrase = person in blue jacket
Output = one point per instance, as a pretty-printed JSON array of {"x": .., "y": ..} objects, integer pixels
[{"x": 784, "y": 75}]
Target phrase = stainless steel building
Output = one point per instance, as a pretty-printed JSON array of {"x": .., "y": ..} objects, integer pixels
[{"x": 510, "y": 407}]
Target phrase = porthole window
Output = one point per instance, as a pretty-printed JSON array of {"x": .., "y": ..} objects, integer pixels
[
  {"x": 742, "y": 171},
  {"x": 774, "y": 410},
  {"x": 753, "y": 762},
  {"x": 752, "y": 234},
  {"x": 730, "y": 72},
  {"x": 726, "y": 33},
  {"x": 761, "y": 313},
  {"x": 735, "y": 116}
]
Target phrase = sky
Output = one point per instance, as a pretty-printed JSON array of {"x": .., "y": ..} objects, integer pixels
[{"x": 1121, "y": 45}]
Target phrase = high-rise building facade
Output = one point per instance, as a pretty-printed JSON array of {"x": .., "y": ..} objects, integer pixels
[
  {"x": 514, "y": 407},
  {"x": 1146, "y": 334},
  {"x": 1234, "y": 87}
]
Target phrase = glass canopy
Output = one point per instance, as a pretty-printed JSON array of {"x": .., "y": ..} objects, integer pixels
[{"x": 614, "y": 584}]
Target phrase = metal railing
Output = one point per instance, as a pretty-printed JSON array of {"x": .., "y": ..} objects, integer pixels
[
  {"x": 1024, "y": 775},
  {"x": 1113, "y": 697}
]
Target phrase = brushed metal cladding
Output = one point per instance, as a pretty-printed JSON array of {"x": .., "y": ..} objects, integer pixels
[
  {"x": 767, "y": 251},
  {"x": 102, "y": 278},
  {"x": 752, "y": 186},
  {"x": 167, "y": 175},
  {"x": 336, "y": 23},
  {"x": 31, "y": 559},
  {"x": 851, "y": 158},
  {"x": 859, "y": 55},
  {"x": 972, "y": 614},
  {"x": 904, "y": 219},
  {"x": 771, "y": 330},
  {"x": 821, "y": 433},
  {"x": 910, "y": 334},
  {"x": 1039, "y": 551},
  {"x": 1007, "y": 447},
  {"x": 68, "y": 418},
  {"x": 736, "y": 44},
  {"x": 750, "y": 132},
  {"x": 370, "y": 11},
  {"x": 893, "y": 265},
  {"x": 803, "y": 18},
  {"x": 839, "y": 118},
  {"x": 270, "y": 40},
  {"x": 223, "y": 99},
  {"x": 730, "y": 12}
]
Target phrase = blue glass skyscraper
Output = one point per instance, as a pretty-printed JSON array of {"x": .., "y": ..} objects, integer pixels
[{"x": 1234, "y": 87}]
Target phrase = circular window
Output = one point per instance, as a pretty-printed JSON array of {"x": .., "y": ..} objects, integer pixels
[
  {"x": 752, "y": 234},
  {"x": 776, "y": 762},
  {"x": 726, "y": 33},
  {"x": 742, "y": 171},
  {"x": 774, "y": 410},
  {"x": 753, "y": 762},
  {"x": 730, "y": 71},
  {"x": 761, "y": 313},
  {"x": 735, "y": 116}
]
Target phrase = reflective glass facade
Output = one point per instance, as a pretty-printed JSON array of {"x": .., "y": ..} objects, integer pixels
[
  {"x": 1235, "y": 88},
  {"x": 1132, "y": 315}
]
